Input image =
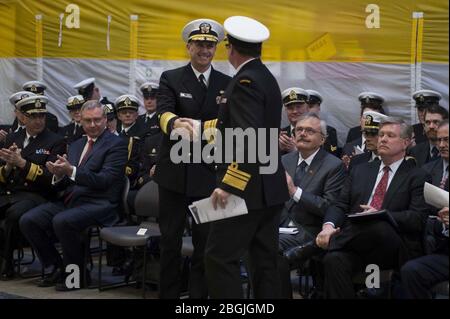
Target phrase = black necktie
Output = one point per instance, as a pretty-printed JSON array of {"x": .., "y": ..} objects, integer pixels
[
  {"x": 435, "y": 153},
  {"x": 202, "y": 81},
  {"x": 30, "y": 140},
  {"x": 300, "y": 172}
]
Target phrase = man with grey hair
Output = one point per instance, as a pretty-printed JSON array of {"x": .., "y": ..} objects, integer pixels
[
  {"x": 393, "y": 186},
  {"x": 91, "y": 175},
  {"x": 314, "y": 178}
]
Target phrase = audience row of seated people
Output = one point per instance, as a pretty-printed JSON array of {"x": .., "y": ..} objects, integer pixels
[
  {"x": 56, "y": 183},
  {"x": 384, "y": 177},
  {"x": 77, "y": 169}
]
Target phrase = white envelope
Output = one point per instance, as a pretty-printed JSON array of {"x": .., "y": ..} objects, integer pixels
[{"x": 203, "y": 210}]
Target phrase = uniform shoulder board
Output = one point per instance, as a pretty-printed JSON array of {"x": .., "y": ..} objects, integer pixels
[{"x": 245, "y": 81}]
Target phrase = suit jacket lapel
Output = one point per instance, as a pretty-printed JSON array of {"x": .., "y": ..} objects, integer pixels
[
  {"x": 292, "y": 165},
  {"x": 313, "y": 169},
  {"x": 396, "y": 183},
  {"x": 371, "y": 179},
  {"x": 77, "y": 153},
  {"x": 101, "y": 139},
  {"x": 437, "y": 172}
]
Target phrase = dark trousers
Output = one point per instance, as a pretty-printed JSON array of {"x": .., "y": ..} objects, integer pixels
[
  {"x": 52, "y": 221},
  {"x": 229, "y": 240},
  {"x": 421, "y": 274},
  {"x": 286, "y": 242},
  {"x": 371, "y": 243},
  {"x": 9, "y": 226},
  {"x": 173, "y": 210}
]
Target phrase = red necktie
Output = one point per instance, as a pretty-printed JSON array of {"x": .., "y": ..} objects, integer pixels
[
  {"x": 88, "y": 151},
  {"x": 380, "y": 190}
]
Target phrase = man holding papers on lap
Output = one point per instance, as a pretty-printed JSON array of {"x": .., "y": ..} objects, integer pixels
[
  {"x": 421, "y": 274},
  {"x": 252, "y": 101},
  {"x": 394, "y": 185}
]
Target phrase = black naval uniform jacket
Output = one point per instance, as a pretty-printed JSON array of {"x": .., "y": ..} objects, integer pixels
[
  {"x": 252, "y": 100},
  {"x": 34, "y": 177},
  {"x": 181, "y": 95},
  {"x": 70, "y": 133},
  {"x": 151, "y": 127}
]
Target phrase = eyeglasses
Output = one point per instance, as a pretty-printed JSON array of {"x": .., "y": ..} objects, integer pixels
[
  {"x": 442, "y": 139},
  {"x": 307, "y": 130},
  {"x": 96, "y": 121}
]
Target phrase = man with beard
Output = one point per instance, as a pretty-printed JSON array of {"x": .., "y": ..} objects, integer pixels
[
  {"x": 423, "y": 99},
  {"x": 428, "y": 151}
]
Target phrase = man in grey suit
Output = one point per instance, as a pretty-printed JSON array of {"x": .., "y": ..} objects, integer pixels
[{"x": 314, "y": 180}]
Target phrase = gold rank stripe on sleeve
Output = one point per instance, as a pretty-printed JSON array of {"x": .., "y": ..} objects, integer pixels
[
  {"x": 34, "y": 172},
  {"x": 210, "y": 130},
  {"x": 164, "y": 121},
  {"x": 130, "y": 147},
  {"x": 2, "y": 178},
  {"x": 235, "y": 177}
]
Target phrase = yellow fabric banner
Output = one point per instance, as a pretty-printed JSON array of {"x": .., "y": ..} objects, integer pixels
[{"x": 307, "y": 31}]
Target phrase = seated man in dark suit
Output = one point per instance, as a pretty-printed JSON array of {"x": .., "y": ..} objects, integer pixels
[
  {"x": 92, "y": 174},
  {"x": 394, "y": 184},
  {"x": 314, "y": 179},
  {"x": 295, "y": 104},
  {"x": 428, "y": 151},
  {"x": 439, "y": 169},
  {"x": 370, "y": 133},
  {"x": 421, "y": 274},
  {"x": 24, "y": 180}
]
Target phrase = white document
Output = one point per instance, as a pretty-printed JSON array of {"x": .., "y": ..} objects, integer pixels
[
  {"x": 203, "y": 210},
  {"x": 288, "y": 230},
  {"x": 435, "y": 196}
]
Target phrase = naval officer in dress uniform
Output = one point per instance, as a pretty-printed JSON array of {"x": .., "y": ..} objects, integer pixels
[
  {"x": 252, "y": 100},
  {"x": 186, "y": 94}
]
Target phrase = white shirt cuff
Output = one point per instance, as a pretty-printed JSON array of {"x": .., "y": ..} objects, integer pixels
[
  {"x": 56, "y": 180},
  {"x": 330, "y": 223},
  {"x": 74, "y": 173},
  {"x": 297, "y": 194}
]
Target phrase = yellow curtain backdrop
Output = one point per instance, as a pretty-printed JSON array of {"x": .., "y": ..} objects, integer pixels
[{"x": 306, "y": 31}]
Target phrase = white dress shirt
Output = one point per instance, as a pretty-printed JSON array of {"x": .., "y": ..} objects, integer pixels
[
  {"x": 392, "y": 170},
  {"x": 206, "y": 74}
]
